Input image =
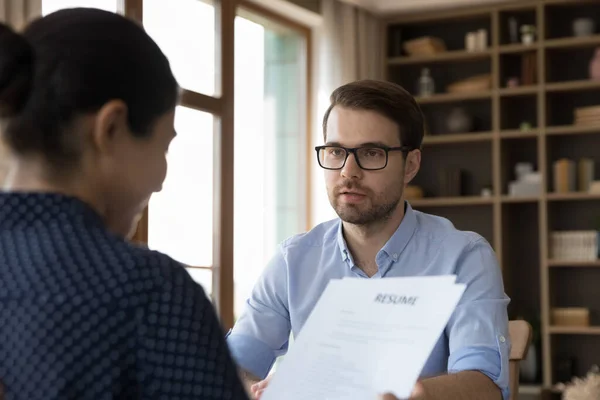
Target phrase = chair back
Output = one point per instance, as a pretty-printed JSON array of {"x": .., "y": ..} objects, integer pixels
[{"x": 520, "y": 336}]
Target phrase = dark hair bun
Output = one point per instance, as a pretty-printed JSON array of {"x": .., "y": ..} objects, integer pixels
[{"x": 16, "y": 71}]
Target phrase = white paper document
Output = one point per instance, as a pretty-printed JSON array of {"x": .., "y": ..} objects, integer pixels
[{"x": 366, "y": 337}]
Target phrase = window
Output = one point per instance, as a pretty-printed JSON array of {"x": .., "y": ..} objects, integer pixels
[
  {"x": 185, "y": 220},
  {"x": 270, "y": 144},
  {"x": 186, "y": 31},
  {"x": 180, "y": 216}
]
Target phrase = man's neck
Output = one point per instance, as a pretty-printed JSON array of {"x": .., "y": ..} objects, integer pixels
[{"x": 365, "y": 241}]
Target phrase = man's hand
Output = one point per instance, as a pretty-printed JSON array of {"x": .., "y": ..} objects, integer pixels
[
  {"x": 258, "y": 388},
  {"x": 418, "y": 392}
]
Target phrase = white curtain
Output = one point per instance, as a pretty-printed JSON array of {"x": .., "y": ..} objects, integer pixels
[
  {"x": 15, "y": 13},
  {"x": 348, "y": 47}
]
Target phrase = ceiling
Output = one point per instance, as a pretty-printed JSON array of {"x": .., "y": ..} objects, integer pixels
[{"x": 407, "y": 6}]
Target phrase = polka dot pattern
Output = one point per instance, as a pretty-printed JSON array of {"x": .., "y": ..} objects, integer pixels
[{"x": 86, "y": 315}]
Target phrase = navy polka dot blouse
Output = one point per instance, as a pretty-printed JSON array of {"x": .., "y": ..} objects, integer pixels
[{"x": 86, "y": 315}]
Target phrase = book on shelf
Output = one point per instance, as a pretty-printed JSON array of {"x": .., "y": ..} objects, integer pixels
[{"x": 574, "y": 245}]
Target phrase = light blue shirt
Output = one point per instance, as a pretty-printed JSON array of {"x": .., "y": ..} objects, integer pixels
[{"x": 476, "y": 337}]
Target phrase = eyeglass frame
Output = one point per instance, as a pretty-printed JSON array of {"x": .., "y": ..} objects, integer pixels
[{"x": 352, "y": 150}]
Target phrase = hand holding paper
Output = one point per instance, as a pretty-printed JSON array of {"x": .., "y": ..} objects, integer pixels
[{"x": 365, "y": 338}]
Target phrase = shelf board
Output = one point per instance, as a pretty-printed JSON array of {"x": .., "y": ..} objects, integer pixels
[
  {"x": 572, "y": 86},
  {"x": 447, "y": 56},
  {"x": 572, "y": 129},
  {"x": 582, "y": 196},
  {"x": 519, "y": 90},
  {"x": 520, "y": 199},
  {"x": 530, "y": 389},
  {"x": 573, "y": 264},
  {"x": 574, "y": 330},
  {"x": 573, "y": 42},
  {"x": 452, "y": 201},
  {"x": 568, "y": 2},
  {"x": 519, "y": 134},
  {"x": 518, "y": 48},
  {"x": 458, "y": 138},
  {"x": 453, "y": 97}
]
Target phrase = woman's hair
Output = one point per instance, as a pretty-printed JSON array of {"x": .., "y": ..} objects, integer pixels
[{"x": 73, "y": 62}]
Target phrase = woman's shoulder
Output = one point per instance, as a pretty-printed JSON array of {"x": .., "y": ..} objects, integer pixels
[{"x": 153, "y": 267}]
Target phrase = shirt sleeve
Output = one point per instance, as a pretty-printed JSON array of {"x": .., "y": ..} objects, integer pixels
[
  {"x": 182, "y": 353},
  {"x": 261, "y": 333},
  {"x": 478, "y": 329}
]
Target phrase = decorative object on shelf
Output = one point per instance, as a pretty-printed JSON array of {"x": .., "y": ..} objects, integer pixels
[
  {"x": 525, "y": 126},
  {"x": 513, "y": 81},
  {"x": 459, "y": 120},
  {"x": 413, "y": 192},
  {"x": 570, "y": 316},
  {"x": 513, "y": 30},
  {"x": 585, "y": 174},
  {"x": 594, "y": 67},
  {"x": 471, "y": 41},
  {"x": 527, "y": 34},
  {"x": 594, "y": 187},
  {"x": 584, "y": 27},
  {"x": 486, "y": 191},
  {"x": 482, "y": 39},
  {"x": 477, "y": 40},
  {"x": 522, "y": 169},
  {"x": 587, "y": 115},
  {"x": 574, "y": 245},
  {"x": 472, "y": 84},
  {"x": 583, "y": 388},
  {"x": 564, "y": 175},
  {"x": 424, "y": 46},
  {"x": 426, "y": 86},
  {"x": 527, "y": 183}
]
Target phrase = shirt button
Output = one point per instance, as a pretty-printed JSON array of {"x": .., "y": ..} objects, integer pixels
[{"x": 502, "y": 339}]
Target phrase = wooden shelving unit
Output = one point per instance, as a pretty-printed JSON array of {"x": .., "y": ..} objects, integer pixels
[
  {"x": 452, "y": 201},
  {"x": 532, "y": 122},
  {"x": 458, "y": 138},
  {"x": 453, "y": 97},
  {"x": 459, "y": 55}
]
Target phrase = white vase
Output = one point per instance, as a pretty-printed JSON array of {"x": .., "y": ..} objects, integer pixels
[{"x": 583, "y": 27}]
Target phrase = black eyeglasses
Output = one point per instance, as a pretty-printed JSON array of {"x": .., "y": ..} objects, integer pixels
[{"x": 368, "y": 158}]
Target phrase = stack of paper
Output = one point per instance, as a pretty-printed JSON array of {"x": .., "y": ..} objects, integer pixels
[{"x": 366, "y": 337}]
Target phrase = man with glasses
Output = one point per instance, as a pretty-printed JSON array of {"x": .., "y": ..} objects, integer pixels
[{"x": 373, "y": 132}]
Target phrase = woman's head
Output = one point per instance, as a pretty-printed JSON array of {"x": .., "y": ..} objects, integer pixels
[{"x": 87, "y": 103}]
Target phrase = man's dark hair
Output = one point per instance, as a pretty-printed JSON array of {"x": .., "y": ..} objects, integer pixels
[
  {"x": 72, "y": 62},
  {"x": 386, "y": 98}
]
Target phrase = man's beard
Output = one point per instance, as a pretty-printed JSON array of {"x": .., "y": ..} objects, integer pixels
[{"x": 381, "y": 210}]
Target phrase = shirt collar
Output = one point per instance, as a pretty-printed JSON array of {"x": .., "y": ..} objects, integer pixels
[
  {"x": 395, "y": 245},
  {"x": 27, "y": 208}
]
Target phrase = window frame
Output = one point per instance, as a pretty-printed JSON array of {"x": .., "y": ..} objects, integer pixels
[{"x": 222, "y": 108}]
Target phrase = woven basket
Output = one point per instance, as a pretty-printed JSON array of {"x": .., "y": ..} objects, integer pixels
[{"x": 473, "y": 84}]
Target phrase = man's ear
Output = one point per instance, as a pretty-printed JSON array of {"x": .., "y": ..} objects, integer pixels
[
  {"x": 110, "y": 126},
  {"x": 412, "y": 165}
]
